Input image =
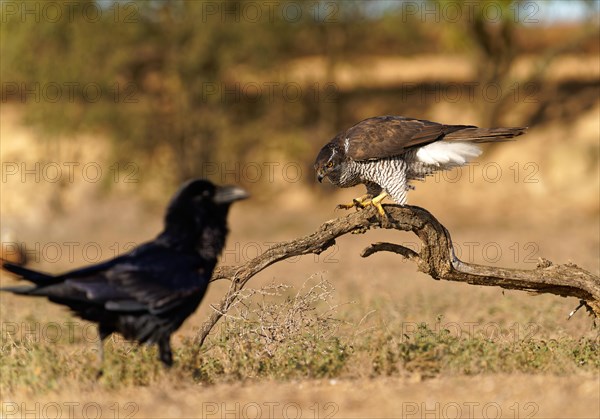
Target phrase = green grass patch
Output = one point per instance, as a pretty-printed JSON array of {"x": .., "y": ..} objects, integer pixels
[{"x": 431, "y": 352}]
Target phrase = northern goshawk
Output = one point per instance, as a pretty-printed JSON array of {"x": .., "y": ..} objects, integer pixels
[{"x": 385, "y": 153}]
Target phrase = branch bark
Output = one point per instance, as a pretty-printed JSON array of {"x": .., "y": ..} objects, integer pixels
[{"x": 436, "y": 258}]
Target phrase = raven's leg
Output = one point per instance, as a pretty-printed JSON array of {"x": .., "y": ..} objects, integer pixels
[
  {"x": 103, "y": 333},
  {"x": 164, "y": 351}
]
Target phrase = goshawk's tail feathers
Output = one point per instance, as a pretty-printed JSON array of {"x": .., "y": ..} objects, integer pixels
[{"x": 485, "y": 135}]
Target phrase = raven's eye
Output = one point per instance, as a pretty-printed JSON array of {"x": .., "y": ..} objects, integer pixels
[{"x": 330, "y": 164}]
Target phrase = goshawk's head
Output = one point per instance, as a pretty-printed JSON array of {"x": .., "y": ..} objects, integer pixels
[{"x": 330, "y": 162}]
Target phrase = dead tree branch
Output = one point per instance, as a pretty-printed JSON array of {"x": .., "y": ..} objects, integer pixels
[{"x": 436, "y": 258}]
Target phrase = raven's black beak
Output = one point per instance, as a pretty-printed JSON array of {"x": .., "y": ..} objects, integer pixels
[{"x": 228, "y": 194}]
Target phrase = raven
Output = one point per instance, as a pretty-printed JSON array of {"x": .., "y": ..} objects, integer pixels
[{"x": 146, "y": 294}]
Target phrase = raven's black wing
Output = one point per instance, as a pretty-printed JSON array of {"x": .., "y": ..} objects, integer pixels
[{"x": 157, "y": 279}]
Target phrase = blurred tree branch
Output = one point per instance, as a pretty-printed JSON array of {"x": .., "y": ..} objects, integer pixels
[
  {"x": 436, "y": 258},
  {"x": 499, "y": 44}
]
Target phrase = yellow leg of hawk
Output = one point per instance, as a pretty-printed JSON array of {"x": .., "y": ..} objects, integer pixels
[
  {"x": 360, "y": 202},
  {"x": 365, "y": 200},
  {"x": 376, "y": 202}
]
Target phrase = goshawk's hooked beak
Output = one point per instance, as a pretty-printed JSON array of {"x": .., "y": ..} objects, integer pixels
[{"x": 320, "y": 175}]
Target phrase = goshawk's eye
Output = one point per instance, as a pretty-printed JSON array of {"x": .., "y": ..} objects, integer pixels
[{"x": 330, "y": 164}]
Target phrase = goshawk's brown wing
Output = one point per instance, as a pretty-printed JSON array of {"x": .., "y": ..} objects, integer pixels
[{"x": 389, "y": 136}]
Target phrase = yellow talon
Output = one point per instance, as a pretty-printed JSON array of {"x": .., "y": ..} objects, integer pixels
[
  {"x": 377, "y": 203},
  {"x": 366, "y": 200},
  {"x": 360, "y": 202}
]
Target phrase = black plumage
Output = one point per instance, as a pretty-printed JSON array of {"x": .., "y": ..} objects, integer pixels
[{"x": 146, "y": 294}]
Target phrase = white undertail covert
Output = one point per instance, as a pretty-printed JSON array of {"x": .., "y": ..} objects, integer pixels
[{"x": 448, "y": 154}]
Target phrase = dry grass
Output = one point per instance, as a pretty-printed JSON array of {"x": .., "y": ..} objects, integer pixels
[{"x": 277, "y": 333}]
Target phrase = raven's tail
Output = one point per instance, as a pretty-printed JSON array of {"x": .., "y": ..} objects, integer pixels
[
  {"x": 485, "y": 135},
  {"x": 20, "y": 289},
  {"x": 38, "y": 278}
]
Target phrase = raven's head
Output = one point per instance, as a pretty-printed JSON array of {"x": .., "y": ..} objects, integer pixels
[
  {"x": 197, "y": 215},
  {"x": 330, "y": 162}
]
